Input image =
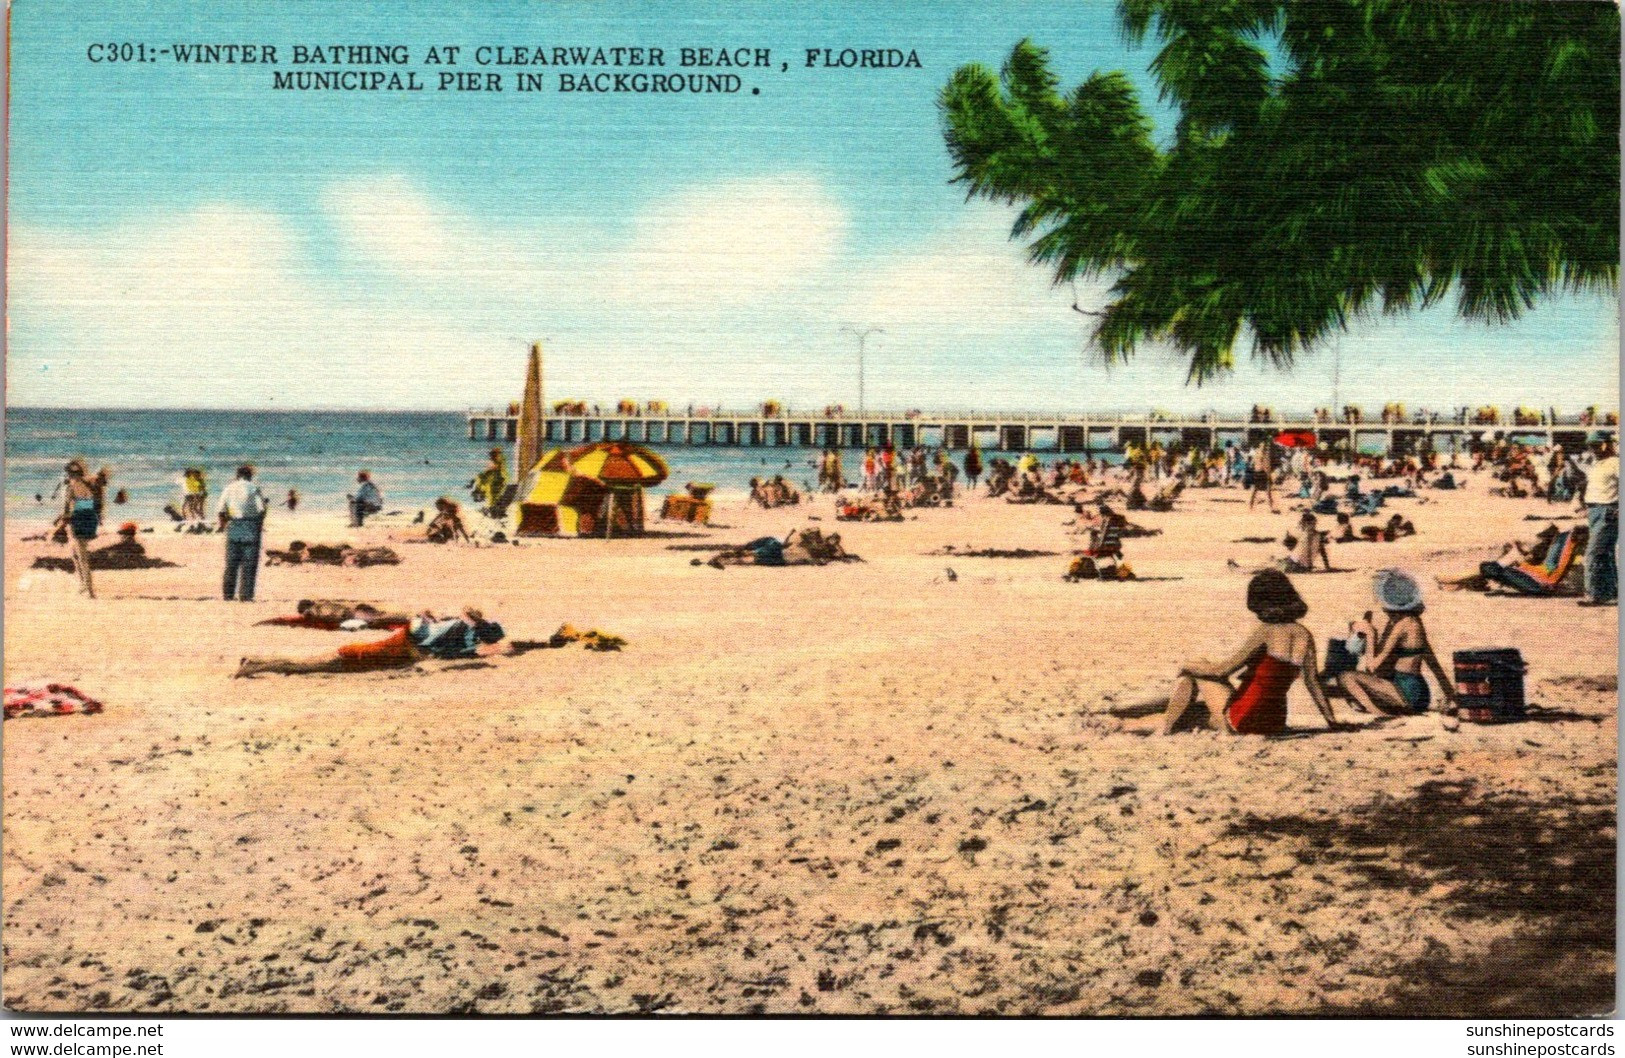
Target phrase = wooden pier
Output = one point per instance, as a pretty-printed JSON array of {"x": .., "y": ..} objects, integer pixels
[{"x": 1019, "y": 433}]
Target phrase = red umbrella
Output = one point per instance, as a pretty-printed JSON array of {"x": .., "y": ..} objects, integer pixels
[{"x": 1295, "y": 439}]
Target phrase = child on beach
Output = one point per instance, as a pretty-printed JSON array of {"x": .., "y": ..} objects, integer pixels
[
  {"x": 447, "y": 525},
  {"x": 1306, "y": 546}
]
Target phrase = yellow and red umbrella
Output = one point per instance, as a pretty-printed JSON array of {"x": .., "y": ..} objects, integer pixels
[
  {"x": 617, "y": 464},
  {"x": 567, "y": 489}
]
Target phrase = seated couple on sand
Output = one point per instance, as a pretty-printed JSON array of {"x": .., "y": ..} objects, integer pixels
[
  {"x": 424, "y": 636},
  {"x": 1279, "y": 650},
  {"x": 775, "y": 493}
]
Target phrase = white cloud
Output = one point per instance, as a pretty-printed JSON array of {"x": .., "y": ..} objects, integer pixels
[
  {"x": 737, "y": 241},
  {"x": 214, "y": 307},
  {"x": 702, "y": 249},
  {"x": 970, "y": 276},
  {"x": 390, "y": 223}
]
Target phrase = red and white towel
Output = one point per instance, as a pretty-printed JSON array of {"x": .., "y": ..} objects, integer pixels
[{"x": 51, "y": 699}]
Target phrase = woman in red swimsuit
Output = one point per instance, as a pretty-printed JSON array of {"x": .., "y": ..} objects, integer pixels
[{"x": 1277, "y": 651}]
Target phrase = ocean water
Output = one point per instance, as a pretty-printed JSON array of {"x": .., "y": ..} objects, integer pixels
[{"x": 414, "y": 457}]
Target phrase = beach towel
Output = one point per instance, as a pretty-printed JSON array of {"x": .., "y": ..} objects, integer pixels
[{"x": 51, "y": 699}]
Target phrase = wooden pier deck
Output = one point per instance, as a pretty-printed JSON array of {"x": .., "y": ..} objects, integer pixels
[{"x": 1018, "y": 432}]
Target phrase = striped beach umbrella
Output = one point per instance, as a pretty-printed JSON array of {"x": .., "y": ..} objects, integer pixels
[{"x": 618, "y": 464}]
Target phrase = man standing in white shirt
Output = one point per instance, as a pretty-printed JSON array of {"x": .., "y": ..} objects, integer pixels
[
  {"x": 242, "y": 516},
  {"x": 1600, "y": 499}
]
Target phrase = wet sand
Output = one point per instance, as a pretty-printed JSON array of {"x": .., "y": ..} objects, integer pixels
[{"x": 860, "y": 788}]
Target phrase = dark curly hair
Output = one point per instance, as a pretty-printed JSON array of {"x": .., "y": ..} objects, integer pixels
[{"x": 1273, "y": 600}]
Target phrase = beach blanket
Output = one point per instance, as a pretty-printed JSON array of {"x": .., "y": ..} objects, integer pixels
[{"x": 51, "y": 699}]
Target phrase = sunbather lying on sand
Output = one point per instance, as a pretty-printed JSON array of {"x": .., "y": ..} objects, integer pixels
[
  {"x": 331, "y": 555},
  {"x": 808, "y": 547},
  {"x": 1396, "y": 527},
  {"x": 1277, "y": 651},
  {"x": 426, "y": 636},
  {"x": 333, "y": 614},
  {"x": 889, "y": 508},
  {"x": 1091, "y": 518}
]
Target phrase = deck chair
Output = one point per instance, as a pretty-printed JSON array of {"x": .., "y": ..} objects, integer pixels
[
  {"x": 1540, "y": 578},
  {"x": 1108, "y": 542}
]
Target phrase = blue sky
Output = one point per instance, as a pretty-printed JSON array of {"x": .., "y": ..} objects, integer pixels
[{"x": 187, "y": 236}]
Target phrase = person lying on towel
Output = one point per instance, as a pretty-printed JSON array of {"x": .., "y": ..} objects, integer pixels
[{"x": 425, "y": 636}]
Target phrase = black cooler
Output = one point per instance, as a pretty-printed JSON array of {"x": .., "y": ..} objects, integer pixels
[{"x": 1489, "y": 684}]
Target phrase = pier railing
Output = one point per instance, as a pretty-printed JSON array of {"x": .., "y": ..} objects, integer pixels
[
  {"x": 1423, "y": 417},
  {"x": 1019, "y": 431}
]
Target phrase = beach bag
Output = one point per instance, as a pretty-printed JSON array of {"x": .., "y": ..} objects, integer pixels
[
  {"x": 1489, "y": 685},
  {"x": 1339, "y": 659}
]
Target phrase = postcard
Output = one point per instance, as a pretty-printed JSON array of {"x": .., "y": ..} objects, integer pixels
[{"x": 914, "y": 509}]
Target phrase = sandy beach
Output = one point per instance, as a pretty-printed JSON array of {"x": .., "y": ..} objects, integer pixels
[{"x": 861, "y": 788}]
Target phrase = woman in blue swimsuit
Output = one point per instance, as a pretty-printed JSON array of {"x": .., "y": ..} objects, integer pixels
[
  {"x": 81, "y": 517},
  {"x": 1393, "y": 682}
]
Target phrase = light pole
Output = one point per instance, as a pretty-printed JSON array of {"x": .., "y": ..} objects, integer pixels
[
  {"x": 863, "y": 337},
  {"x": 1337, "y": 376}
]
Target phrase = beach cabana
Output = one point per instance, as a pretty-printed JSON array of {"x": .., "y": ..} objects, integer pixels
[{"x": 596, "y": 488}]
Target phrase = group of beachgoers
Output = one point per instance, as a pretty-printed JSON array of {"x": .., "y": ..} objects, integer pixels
[
  {"x": 892, "y": 482},
  {"x": 773, "y": 492},
  {"x": 1386, "y": 667}
]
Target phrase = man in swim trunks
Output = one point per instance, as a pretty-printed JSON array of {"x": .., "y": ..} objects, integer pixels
[{"x": 425, "y": 636}]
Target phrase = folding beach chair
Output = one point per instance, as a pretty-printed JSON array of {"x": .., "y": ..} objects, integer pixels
[
  {"x": 1540, "y": 578},
  {"x": 1108, "y": 543}
]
